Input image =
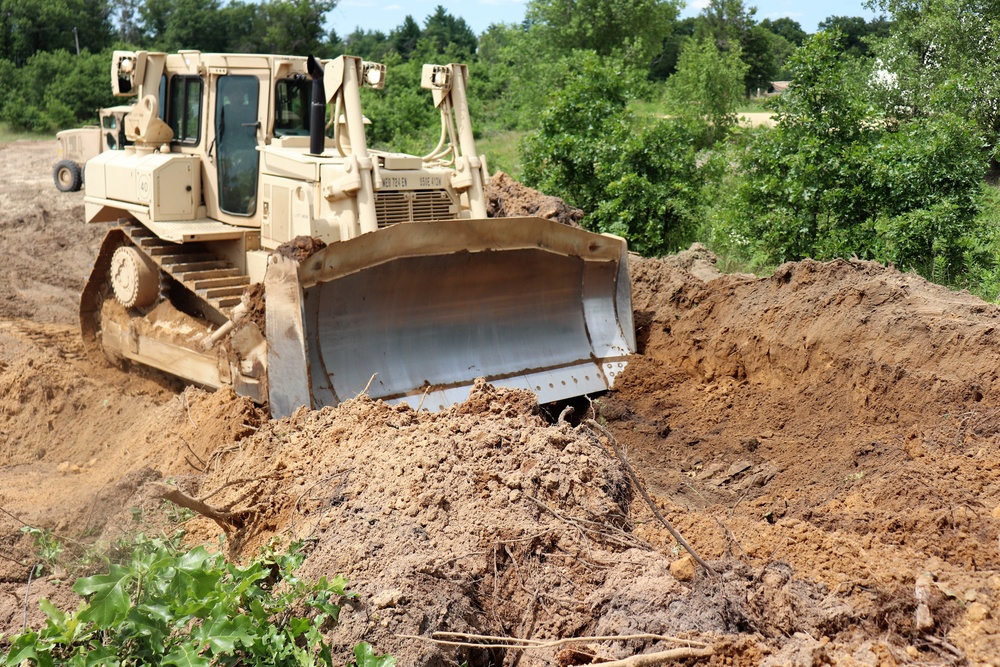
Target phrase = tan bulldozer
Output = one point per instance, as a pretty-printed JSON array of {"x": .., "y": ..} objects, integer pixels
[
  {"x": 78, "y": 145},
  {"x": 250, "y": 181}
]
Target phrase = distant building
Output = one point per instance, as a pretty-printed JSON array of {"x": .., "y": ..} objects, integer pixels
[{"x": 777, "y": 88}]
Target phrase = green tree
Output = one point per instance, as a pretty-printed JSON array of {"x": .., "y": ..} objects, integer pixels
[
  {"x": 446, "y": 32},
  {"x": 172, "y": 25},
  {"x": 834, "y": 179},
  {"x": 732, "y": 25},
  {"x": 857, "y": 32},
  {"x": 787, "y": 28},
  {"x": 708, "y": 86},
  {"x": 75, "y": 87},
  {"x": 665, "y": 63},
  {"x": 404, "y": 38},
  {"x": 602, "y": 26},
  {"x": 294, "y": 27},
  {"x": 641, "y": 182},
  {"x": 368, "y": 44},
  {"x": 27, "y": 28},
  {"x": 941, "y": 57}
]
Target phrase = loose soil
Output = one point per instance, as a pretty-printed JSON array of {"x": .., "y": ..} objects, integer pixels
[{"x": 823, "y": 437}]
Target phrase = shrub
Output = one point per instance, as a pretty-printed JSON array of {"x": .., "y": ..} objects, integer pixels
[{"x": 195, "y": 609}]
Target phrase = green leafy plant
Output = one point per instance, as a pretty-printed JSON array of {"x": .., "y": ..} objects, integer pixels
[
  {"x": 192, "y": 609},
  {"x": 48, "y": 547}
]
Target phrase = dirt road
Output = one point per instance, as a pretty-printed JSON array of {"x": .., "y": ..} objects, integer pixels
[{"x": 823, "y": 437}]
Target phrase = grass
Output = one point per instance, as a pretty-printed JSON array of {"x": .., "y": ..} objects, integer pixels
[
  {"x": 502, "y": 151},
  {"x": 7, "y": 135}
]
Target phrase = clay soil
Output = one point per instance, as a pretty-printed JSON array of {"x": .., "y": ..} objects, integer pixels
[{"x": 825, "y": 437}]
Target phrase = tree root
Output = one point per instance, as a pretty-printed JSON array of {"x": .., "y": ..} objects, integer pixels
[{"x": 228, "y": 521}]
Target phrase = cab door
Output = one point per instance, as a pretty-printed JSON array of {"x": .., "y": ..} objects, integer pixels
[{"x": 236, "y": 129}]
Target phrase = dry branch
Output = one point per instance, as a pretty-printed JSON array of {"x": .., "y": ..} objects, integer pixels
[
  {"x": 649, "y": 501},
  {"x": 227, "y": 520},
  {"x": 492, "y": 641}
]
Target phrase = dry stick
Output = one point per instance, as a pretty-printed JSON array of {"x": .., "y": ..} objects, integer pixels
[
  {"x": 513, "y": 642},
  {"x": 649, "y": 501},
  {"x": 193, "y": 453},
  {"x": 242, "y": 480},
  {"x": 645, "y": 659},
  {"x": 226, "y": 520},
  {"x": 642, "y": 660},
  {"x": 27, "y": 592}
]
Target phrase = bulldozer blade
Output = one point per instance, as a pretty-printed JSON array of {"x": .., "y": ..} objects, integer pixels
[{"x": 418, "y": 311}]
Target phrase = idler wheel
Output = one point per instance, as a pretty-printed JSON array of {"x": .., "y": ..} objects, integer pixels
[{"x": 135, "y": 278}]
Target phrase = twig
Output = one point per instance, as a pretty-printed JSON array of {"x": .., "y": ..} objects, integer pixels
[
  {"x": 945, "y": 645},
  {"x": 649, "y": 501},
  {"x": 64, "y": 538},
  {"x": 27, "y": 592},
  {"x": 12, "y": 560},
  {"x": 365, "y": 390},
  {"x": 576, "y": 523},
  {"x": 193, "y": 453},
  {"x": 661, "y": 657},
  {"x": 423, "y": 397},
  {"x": 15, "y": 518},
  {"x": 243, "y": 480},
  {"x": 463, "y": 639}
]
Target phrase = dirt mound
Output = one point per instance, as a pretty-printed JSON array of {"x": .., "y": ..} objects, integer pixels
[{"x": 506, "y": 198}]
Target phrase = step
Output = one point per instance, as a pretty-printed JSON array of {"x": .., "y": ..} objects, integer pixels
[
  {"x": 173, "y": 248},
  {"x": 181, "y": 264},
  {"x": 149, "y": 242},
  {"x": 193, "y": 276},
  {"x": 220, "y": 292},
  {"x": 228, "y": 302},
  {"x": 211, "y": 283}
]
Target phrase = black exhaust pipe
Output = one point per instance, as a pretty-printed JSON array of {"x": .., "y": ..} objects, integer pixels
[{"x": 317, "y": 110}]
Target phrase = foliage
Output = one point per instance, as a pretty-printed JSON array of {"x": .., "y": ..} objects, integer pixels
[
  {"x": 442, "y": 33},
  {"x": 733, "y": 27},
  {"x": 857, "y": 32},
  {"x": 165, "y": 607},
  {"x": 708, "y": 86},
  {"x": 273, "y": 26},
  {"x": 787, "y": 28},
  {"x": 653, "y": 187},
  {"x": 448, "y": 33},
  {"x": 55, "y": 90},
  {"x": 27, "y": 28},
  {"x": 639, "y": 182},
  {"x": 48, "y": 548},
  {"x": 942, "y": 57},
  {"x": 293, "y": 26},
  {"x": 602, "y": 26},
  {"x": 835, "y": 179}
]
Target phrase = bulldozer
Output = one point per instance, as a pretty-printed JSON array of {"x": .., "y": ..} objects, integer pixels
[
  {"x": 256, "y": 241},
  {"x": 78, "y": 145}
]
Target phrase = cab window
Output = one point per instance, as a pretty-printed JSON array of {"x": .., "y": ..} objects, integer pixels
[
  {"x": 292, "y": 101},
  {"x": 184, "y": 115}
]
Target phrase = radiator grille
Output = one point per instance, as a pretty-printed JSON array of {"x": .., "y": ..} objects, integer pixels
[{"x": 408, "y": 206}]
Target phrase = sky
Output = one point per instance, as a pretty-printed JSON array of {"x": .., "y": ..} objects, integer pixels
[{"x": 385, "y": 15}]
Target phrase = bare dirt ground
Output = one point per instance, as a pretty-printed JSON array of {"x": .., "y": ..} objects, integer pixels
[{"x": 825, "y": 437}]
